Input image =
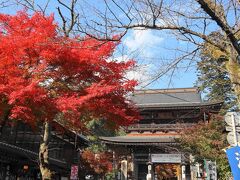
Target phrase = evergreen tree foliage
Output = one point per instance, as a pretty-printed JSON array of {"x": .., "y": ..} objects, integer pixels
[{"x": 213, "y": 78}]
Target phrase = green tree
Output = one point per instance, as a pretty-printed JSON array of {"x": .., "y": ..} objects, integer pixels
[
  {"x": 95, "y": 130},
  {"x": 207, "y": 141},
  {"x": 102, "y": 166},
  {"x": 213, "y": 78}
]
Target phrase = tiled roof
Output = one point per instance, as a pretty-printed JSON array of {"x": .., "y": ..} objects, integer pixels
[
  {"x": 185, "y": 98},
  {"x": 184, "y": 105},
  {"x": 167, "y": 96},
  {"x": 140, "y": 140},
  {"x": 28, "y": 154}
]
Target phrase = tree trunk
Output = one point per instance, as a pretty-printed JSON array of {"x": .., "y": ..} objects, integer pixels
[{"x": 43, "y": 153}]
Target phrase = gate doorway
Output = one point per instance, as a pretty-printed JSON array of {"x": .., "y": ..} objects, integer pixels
[
  {"x": 142, "y": 171},
  {"x": 167, "y": 171}
]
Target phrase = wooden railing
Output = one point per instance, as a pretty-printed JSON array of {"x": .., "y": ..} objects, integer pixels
[{"x": 155, "y": 127}]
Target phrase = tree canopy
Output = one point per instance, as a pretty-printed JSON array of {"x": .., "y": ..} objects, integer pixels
[
  {"x": 208, "y": 141},
  {"x": 42, "y": 73}
]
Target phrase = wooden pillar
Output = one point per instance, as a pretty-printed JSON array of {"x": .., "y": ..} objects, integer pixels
[
  {"x": 135, "y": 169},
  {"x": 133, "y": 166},
  {"x": 179, "y": 172},
  {"x": 7, "y": 176}
]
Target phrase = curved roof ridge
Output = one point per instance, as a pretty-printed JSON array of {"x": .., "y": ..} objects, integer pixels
[{"x": 167, "y": 90}]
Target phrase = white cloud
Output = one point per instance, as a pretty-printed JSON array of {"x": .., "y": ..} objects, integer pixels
[
  {"x": 141, "y": 74},
  {"x": 139, "y": 45},
  {"x": 142, "y": 41}
]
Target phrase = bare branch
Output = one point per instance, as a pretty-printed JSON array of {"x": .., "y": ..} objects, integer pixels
[
  {"x": 73, "y": 17},
  {"x": 182, "y": 29},
  {"x": 221, "y": 21},
  {"x": 171, "y": 66},
  {"x": 43, "y": 9}
]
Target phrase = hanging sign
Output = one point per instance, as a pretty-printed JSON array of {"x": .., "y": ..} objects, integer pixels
[
  {"x": 74, "y": 172},
  {"x": 211, "y": 170},
  {"x": 232, "y": 115},
  {"x": 231, "y": 138},
  {"x": 166, "y": 158}
]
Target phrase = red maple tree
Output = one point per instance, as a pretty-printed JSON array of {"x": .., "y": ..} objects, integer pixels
[{"x": 44, "y": 74}]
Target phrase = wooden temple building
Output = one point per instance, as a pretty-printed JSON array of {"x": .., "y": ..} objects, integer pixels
[
  {"x": 149, "y": 149},
  {"x": 19, "y": 147}
]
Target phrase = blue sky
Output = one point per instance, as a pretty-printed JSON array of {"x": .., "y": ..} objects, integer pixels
[{"x": 152, "y": 50}]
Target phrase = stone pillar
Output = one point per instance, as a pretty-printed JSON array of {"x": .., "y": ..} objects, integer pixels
[
  {"x": 124, "y": 169},
  {"x": 183, "y": 172},
  {"x": 149, "y": 175},
  {"x": 194, "y": 172},
  {"x": 199, "y": 172},
  {"x": 194, "y": 168}
]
